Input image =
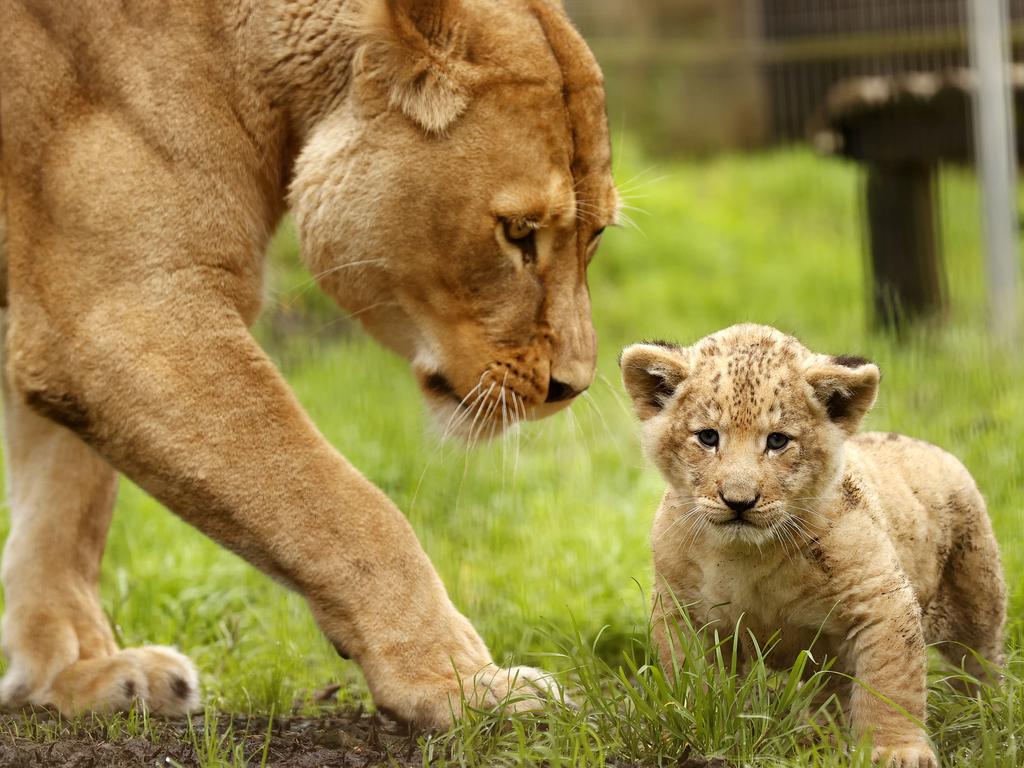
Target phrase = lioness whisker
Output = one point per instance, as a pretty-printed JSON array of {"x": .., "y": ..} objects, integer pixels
[
  {"x": 637, "y": 182},
  {"x": 518, "y": 403},
  {"x": 340, "y": 267},
  {"x": 354, "y": 315},
  {"x": 635, "y": 208},
  {"x": 488, "y": 420},
  {"x": 616, "y": 395},
  {"x": 627, "y": 220},
  {"x": 478, "y": 408},
  {"x": 305, "y": 285},
  {"x": 504, "y": 427},
  {"x": 462, "y": 411},
  {"x": 631, "y": 189},
  {"x": 630, "y": 196},
  {"x": 592, "y": 402}
]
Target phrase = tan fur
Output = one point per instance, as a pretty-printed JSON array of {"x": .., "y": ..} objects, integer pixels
[
  {"x": 148, "y": 151},
  {"x": 880, "y": 542}
]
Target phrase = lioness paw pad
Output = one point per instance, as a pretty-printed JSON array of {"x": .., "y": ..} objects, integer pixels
[{"x": 172, "y": 680}]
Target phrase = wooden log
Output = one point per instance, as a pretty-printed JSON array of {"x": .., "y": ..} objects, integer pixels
[{"x": 904, "y": 243}]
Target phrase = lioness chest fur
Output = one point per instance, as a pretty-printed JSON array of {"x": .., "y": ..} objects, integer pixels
[{"x": 780, "y": 520}]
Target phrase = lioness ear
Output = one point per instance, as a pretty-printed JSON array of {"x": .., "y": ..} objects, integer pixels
[
  {"x": 415, "y": 49},
  {"x": 846, "y": 386},
  {"x": 651, "y": 373}
]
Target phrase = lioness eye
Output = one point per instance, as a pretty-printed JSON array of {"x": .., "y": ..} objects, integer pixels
[
  {"x": 777, "y": 441},
  {"x": 517, "y": 229},
  {"x": 708, "y": 438}
]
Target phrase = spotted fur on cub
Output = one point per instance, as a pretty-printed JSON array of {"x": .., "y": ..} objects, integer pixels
[{"x": 779, "y": 516}]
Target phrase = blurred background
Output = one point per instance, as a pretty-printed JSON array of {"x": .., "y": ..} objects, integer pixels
[
  {"x": 694, "y": 77},
  {"x": 902, "y": 87}
]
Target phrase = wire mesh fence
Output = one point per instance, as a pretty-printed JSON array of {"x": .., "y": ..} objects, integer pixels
[{"x": 693, "y": 76}]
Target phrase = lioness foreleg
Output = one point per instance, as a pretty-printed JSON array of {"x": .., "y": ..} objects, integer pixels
[
  {"x": 190, "y": 408},
  {"x": 55, "y": 634}
]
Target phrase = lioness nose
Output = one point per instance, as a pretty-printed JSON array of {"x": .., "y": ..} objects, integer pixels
[
  {"x": 559, "y": 391},
  {"x": 740, "y": 506}
]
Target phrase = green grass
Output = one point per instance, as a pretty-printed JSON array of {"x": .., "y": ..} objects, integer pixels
[{"x": 542, "y": 542}]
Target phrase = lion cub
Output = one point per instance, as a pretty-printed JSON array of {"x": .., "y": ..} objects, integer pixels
[{"x": 778, "y": 513}]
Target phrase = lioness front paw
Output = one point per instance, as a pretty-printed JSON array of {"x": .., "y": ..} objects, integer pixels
[
  {"x": 916, "y": 755},
  {"x": 172, "y": 682},
  {"x": 161, "y": 678},
  {"x": 439, "y": 706},
  {"x": 518, "y": 689}
]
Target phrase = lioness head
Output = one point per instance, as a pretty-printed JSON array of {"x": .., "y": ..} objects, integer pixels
[
  {"x": 453, "y": 200},
  {"x": 747, "y": 425}
]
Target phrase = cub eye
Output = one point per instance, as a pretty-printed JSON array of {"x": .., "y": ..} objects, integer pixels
[
  {"x": 517, "y": 230},
  {"x": 777, "y": 441},
  {"x": 708, "y": 438}
]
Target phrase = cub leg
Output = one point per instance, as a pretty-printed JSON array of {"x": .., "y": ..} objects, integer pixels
[
  {"x": 675, "y": 637},
  {"x": 55, "y": 636},
  {"x": 886, "y": 651},
  {"x": 665, "y": 625},
  {"x": 968, "y": 614}
]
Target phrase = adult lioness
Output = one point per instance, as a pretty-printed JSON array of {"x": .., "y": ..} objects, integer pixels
[{"x": 448, "y": 166}]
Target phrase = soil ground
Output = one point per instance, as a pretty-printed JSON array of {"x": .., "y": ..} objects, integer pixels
[
  {"x": 351, "y": 740},
  {"x": 342, "y": 740}
]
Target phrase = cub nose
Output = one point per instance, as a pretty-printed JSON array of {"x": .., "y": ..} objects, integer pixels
[
  {"x": 559, "y": 391},
  {"x": 740, "y": 505}
]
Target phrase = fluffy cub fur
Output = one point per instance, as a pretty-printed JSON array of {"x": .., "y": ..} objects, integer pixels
[{"x": 778, "y": 514}]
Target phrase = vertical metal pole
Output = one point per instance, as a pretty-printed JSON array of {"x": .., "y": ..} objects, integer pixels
[{"x": 996, "y": 150}]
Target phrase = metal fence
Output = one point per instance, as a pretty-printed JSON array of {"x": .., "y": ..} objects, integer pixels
[{"x": 704, "y": 75}]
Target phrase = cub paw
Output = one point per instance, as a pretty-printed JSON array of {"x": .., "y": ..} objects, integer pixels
[{"x": 918, "y": 755}]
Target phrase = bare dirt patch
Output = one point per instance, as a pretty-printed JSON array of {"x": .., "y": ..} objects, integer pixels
[
  {"x": 333, "y": 740},
  {"x": 350, "y": 740}
]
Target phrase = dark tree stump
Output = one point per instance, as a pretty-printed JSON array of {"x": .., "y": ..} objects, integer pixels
[{"x": 904, "y": 244}]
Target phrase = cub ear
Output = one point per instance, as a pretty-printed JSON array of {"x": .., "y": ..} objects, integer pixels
[
  {"x": 846, "y": 386},
  {"x": 416, "y": 50},
  {"x": 651, "y": 373}
]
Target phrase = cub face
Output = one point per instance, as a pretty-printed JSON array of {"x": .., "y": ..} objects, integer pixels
[
  {"x": 454, "y": 202},
  {"x": 747, "y": 426}
]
